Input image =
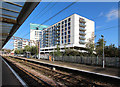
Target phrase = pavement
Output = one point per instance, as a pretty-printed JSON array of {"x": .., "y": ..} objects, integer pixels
[
  {"x": 8, "y": 78},
  {"x": 89, "y": 68}
]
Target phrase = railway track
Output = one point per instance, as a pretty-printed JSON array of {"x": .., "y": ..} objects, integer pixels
[
  {"x": 31, "y": 79},
  {"x": 61, "y": 78}
]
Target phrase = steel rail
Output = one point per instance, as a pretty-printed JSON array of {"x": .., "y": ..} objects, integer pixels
[{"x": 16, "y": 75}]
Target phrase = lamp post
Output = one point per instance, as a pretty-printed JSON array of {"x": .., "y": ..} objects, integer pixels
[
  {"x": 38, "y": 49},
  {"x": 103, "y": 52}
]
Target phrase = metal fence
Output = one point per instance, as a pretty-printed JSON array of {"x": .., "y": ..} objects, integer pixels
[{"x": 109, "y": 61}]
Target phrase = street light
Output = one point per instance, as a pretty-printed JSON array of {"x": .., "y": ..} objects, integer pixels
[
  {"x": 103, "y": 52},
  {"x": 38, "y": 49}
]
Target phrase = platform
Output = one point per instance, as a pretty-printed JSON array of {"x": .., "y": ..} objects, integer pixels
[
  {"x": 109, "y": 72},
  {"x": 8, "y": 78}
]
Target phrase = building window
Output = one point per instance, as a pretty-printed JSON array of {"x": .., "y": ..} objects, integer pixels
[
  {"x": 62, "y": 22},
  {"x": 68, "y": 36},
  {"x": 69, "y": 19},
  {"x": 62, "y": 30},
  {"x": 65, "y": 29},
  {"x": 68, "y": 24},
  {"x": 65, "y": 37},
  {"x": 68, "y": 40},
  {"x": 68, "y": 32},
  {"x": 65, "y": 21},
  {"x": 58, "y": 23},
  {"x": 65, "y": 25},
  {"x": 62, "y": 26},
  {"x": 65, "y": 33},
  {"x": 65, "y": 41},
  {"x": 69, "y": 28}
]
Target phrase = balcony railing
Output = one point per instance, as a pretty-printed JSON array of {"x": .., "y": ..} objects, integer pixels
[
  {"x": 46, "y": 33},
  {"x": 82, "y": 29},
  {"x": 47, "y": 36},
  {"x": 82, "y": 33},
  {"x": 82, "y": 25},
  {"x": 57, "y": 40},
  {"x": 57, "y": 32},
  {"x": 57, "y": 29},
  {"x": 82, "y": 38},
  {"x": 82, "y": 42},
  {"x": 82, "y": 21}
]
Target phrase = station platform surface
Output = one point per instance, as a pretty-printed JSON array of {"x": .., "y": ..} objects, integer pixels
[
  {"x": 8, "y": 78},
  {"x": 115, "y": 72}
]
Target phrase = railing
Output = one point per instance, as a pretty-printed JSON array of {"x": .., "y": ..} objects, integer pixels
[
  {"x": 82, "y": 38},
  {"x": 82, "y": 33},
  {"x": 82, "y": 25},
  {"x": 95, "y": 61},
  {"x": 82, "y": 42},
  {"x": 109, "y": 61},
  {"x": 83, "y": 29},
  {"x": 82, "y": 21}
]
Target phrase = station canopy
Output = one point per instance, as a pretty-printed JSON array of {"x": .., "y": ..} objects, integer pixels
[{"x": 12, "y": 16}]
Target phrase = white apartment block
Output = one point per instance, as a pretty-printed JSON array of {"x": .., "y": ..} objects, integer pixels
[
  {"x": 36, "y": 32},
  {"x": 20, "y": 44},
  {"x": 72, "y": 32}
]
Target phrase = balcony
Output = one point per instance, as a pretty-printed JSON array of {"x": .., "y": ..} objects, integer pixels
[
  {"x": 46, "y": 42},
  {"x": 82, "y": 29},
  {"x": 57, "y": 32},
  {"x": 57, "y": 36},
  {"x": 47, "y": 36},
  {"x": 57, "y": 26},
  {"x": 82, "y": 42},
  {"x": 82, "y": 25},
  {"x": 46, "y": 39},
  {"x": 82, "y": 33},
  {"x": 46, "y": 33},
  {"x": 57, "y": 40},
  {"x": 82, "y": 21},
  {"x": 82, "y": 38},
  {"x": 57, "y": 29}
]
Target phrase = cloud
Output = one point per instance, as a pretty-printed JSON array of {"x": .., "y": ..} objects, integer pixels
[
  {"x": 97, "y": 27},
  {"x": 112, "y": 14},
  {"x": 101, "y": 14}
]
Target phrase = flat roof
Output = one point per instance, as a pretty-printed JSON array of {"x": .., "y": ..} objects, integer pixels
[{"x": 37, "y": 26}]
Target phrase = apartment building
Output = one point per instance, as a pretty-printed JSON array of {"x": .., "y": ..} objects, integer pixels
[
  {"x": 72, "y": 32},
  {"x": 36, "y": 33},
  {"x": 20, "y": 44}
]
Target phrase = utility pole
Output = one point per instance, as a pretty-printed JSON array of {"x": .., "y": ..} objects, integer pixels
[{"x": 103, "y": 52}]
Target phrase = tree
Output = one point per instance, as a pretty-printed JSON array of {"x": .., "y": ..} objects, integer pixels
[
  {"x": 57, "y": 53},
  {"x": 17, "y": 51},
  {"x": 90, "y": 44},
  {"x": 99, "y": 47},
  {"x": 27, "y": 48},
  {"x": 34, "y": 50},
  {"x": 71, "y": 52},
  {"x": 111, "y": 51},
  {"x": 8, "y": 50}
]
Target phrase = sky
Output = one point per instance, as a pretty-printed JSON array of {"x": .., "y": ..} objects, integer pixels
[{"x": 104, "y": 14}]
